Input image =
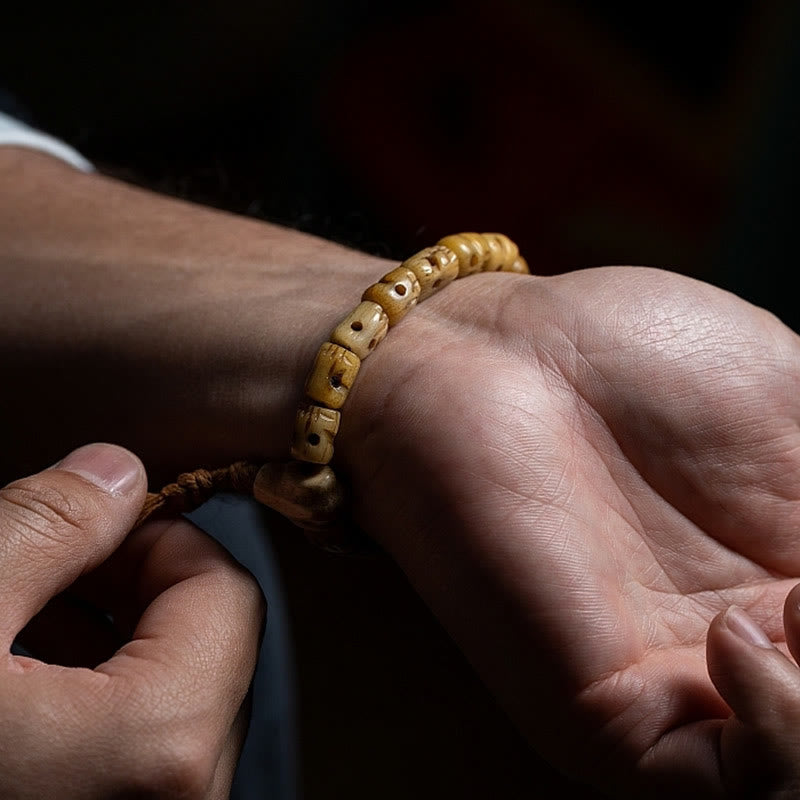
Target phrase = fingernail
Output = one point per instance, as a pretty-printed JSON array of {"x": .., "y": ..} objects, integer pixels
[
  {"x": 112, "y": 468},
  {"x": 746, "y": 628}
]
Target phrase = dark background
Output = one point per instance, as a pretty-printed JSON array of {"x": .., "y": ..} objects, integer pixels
[{"x": 592, "y": 133}]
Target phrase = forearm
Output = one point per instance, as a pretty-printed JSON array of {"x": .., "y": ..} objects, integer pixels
[{"x": 179, "y": 331}]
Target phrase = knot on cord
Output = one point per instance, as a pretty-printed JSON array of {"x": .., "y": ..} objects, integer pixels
[
  {"x": 192, "y": 489},
  {"x": 196, "y": 487}
]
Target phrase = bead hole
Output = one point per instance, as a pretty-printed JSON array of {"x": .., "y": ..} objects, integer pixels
[
  {"x": 356, "y": 326},
  {"x": 313, "y": 439},
  {"x": 336, "y": 381},
  {"x": 371, "y": 345},
  {"x": 400, "y": 289}
]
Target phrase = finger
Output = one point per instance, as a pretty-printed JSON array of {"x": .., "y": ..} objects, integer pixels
[
  {"x": 167, "y": 715},
  {"x": 197, "y": 641},
  {"x": 752, "y": 675},
  {"x": 762, "y": 687},
  {"x": 222, "y": 781},
  {"x": 62, "y": 522},
  {"x": 791, "y": 622}
]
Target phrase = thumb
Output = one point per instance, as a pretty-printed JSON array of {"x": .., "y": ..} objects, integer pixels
[
  {"x": 60, "y": 523},
  {"x": 760, "y": 744}
]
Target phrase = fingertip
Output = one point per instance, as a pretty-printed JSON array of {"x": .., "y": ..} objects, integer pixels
[
  {"x": 56, "y": 525},
  {"x": 742, "y": 625},
  {"x": 791, "y": 606},
  {"x": 110, "y": 467},
  {"x": 761, "y": 686},
  {"x": 791, "y": 621},
  {"x": 734, "y": 646},
  {"x": 757, "y": 681}
]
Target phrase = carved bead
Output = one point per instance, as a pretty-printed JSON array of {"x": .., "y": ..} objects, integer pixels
[
  {"x": 332, "y": 375},
  {"x": 434, "y": 267},
  {"x": 362, "y": 329},
  {"x": 519, "y": 265},
  {"x": 396, "y": 293},
  {"x": 314, "y": 430},
  {"x": 307, "y": 494},
  {"x": 502, "y": 252},
  {"x": 471, "y": 249}
]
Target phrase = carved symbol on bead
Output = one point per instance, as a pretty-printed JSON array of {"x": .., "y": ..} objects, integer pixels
[
  {"x": 471, "y": 249},
  {"x": 314, "y": 431},
  {"x": 332, "y": 375},
  {"x": 435, "y": 267},
  {"x": 362, "y": 329},
  {"x": 396, "y": 293},
  {"x": 502, "y": 252}
]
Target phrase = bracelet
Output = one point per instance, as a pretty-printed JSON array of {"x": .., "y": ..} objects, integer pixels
[{"x": 305, "y": 488}]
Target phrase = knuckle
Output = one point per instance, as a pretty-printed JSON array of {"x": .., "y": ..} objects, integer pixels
[
  {"x": 236, "y": 582},
  {"x": 31, "y": 510},
  {"x": 252, "y": 594},
  {"x": 179, "y": 766}
]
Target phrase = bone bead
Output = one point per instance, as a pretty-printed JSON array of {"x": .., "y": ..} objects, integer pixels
[
  {"x": 471, "y": 249},
  {"x": 519, "y": 265},
  {"x": 314, "y": 431},
  {"x": 502, "y": 252},
  {"x": 435, "y": 267},
  {"x": 332, "y": 375},
  {"x": 362, "y": 329},
  {"x": 309, "y": 495},
  {"x": 396, "y": 293}
]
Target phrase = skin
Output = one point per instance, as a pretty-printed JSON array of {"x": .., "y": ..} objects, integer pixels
[
  {"x": 761, "y": 684},
  {"x": 157, "y": 715},
  {"x": 613, "y": 461},
  {"x": 580, "y": 474}
]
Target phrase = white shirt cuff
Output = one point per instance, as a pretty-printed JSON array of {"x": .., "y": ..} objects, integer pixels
[{"x": 17, "y": 134}]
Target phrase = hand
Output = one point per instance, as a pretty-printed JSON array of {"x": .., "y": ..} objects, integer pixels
[
  {"x": 159, "y": 630},
  {"x": 578, "y": 473}
]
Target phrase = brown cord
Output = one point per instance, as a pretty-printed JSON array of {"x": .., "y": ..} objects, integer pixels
[{"x": 192, "y": 489}]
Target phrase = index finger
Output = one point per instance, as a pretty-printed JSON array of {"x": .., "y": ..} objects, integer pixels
[{"x": 194, "y": 649}]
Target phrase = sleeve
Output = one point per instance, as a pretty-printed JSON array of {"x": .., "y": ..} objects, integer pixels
[{"x": 17, "y": 134}]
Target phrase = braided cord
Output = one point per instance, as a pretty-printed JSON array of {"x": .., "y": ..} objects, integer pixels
[{"x": 192, "y": 489}]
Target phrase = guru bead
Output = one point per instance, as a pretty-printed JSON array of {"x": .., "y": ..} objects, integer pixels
[
  {"x": 314, "y": 430},
  {"x": 396, "y": 293},
  {"x": 309, "y": 495},
  {"x": 471, "y": 249},
  {"x": 332, "y": 375},
  {"x": 435, "y": 267},
  {"x": 305, "y": 490},
  {"x": 362, "y": 329}
]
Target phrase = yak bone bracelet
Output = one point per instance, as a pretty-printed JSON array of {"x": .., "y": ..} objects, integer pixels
[{"x": 305, "y": 489}]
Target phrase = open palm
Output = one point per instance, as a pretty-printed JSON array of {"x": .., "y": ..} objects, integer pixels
[{"x": 578, "y": 473}]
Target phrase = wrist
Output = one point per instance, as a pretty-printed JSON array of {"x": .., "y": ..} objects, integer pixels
[
  {"x": 400, "y": 405},
  {"x": 180, "y": 331}
]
